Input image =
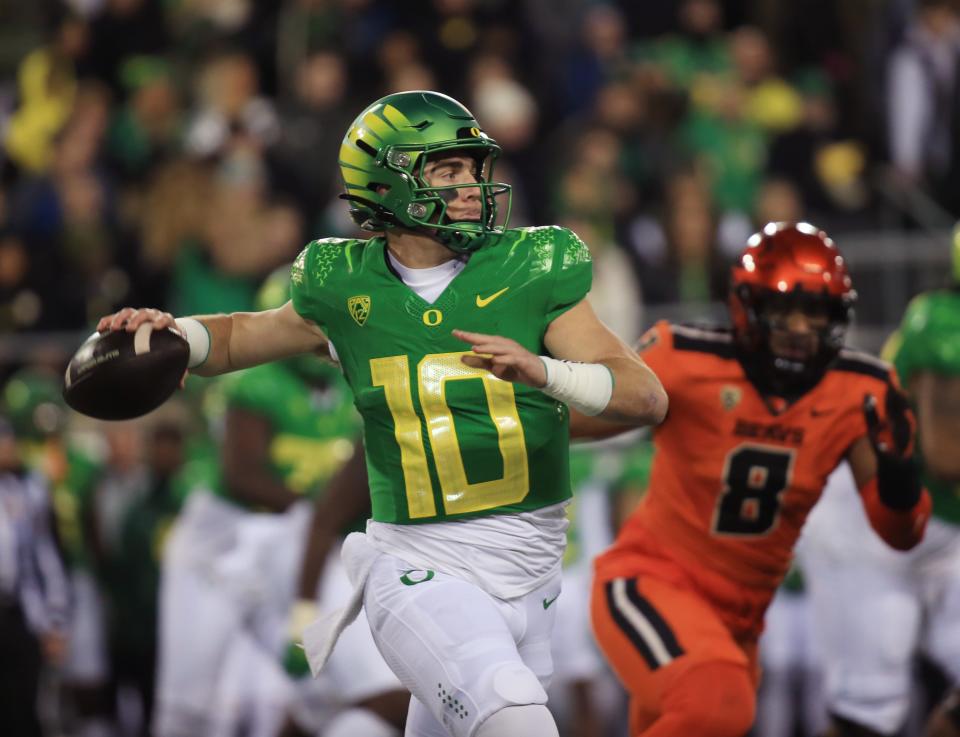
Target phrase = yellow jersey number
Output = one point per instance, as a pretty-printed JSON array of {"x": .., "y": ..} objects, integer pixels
[{"x": 459, "y": 496}]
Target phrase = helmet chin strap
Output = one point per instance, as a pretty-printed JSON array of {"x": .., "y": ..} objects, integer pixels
[{"x": 458, "y": 241}]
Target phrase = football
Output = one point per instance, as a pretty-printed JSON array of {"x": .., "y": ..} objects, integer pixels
[{"x": 121, "y": 375}]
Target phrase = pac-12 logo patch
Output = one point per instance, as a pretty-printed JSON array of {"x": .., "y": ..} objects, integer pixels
[
  {"x": 359, "y": 308},
  {"x": 730, "y": 397}
]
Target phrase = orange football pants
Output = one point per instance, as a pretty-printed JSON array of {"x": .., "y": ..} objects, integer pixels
[{"x": 684, "y": 670}]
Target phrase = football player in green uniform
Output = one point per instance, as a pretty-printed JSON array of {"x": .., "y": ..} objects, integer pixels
[
  {"x": 463, "y": 342},
  {"x": 873, "y": 608}
]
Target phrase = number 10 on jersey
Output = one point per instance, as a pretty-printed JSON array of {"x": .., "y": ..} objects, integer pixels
[{"x": 459, "y": 496}]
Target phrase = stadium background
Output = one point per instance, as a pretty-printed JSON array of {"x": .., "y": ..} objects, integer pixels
[{"x": 173, "y": 152}]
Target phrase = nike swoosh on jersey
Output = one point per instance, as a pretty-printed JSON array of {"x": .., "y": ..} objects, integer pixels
[
  {"x": 483, "y": 302},
  {"x": 548, "y": 602}
]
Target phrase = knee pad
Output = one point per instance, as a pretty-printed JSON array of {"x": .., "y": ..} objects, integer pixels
[
  {"x": 504, "y": 687},
  {"x": 516, "y": 684},
  {"x": 519, "y": 721},
  {"x": 714, "y": 699}
]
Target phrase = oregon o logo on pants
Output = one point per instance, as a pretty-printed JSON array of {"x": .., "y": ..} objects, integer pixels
[{"x": 415, "y": 576}]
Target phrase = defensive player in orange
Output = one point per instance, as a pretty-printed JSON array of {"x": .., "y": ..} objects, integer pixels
[{"x": 759, "y": 416}]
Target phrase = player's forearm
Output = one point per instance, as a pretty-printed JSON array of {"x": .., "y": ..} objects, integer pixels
[
  {"x": 897, "y": 504},
  {"x": 620, "y": 390},
  {"x": 900, "y": 527},
  {"x": 638, "y": 397},
  {"x": 244, "y": 339},
  {"x": 229, "y": 345},
  {"x": 597, "y": 373},
  {"x": 893, "y": 496}
]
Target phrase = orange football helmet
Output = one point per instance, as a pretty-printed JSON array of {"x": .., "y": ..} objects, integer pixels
[{"x": 786, "y": 266}]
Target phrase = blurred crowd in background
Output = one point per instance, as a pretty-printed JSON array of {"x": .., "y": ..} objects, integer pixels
[{"x": 172, "y": 153}]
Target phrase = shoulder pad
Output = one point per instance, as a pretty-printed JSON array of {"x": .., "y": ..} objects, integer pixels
[
  {"x": 316, "y": 261},
  {"x": 859, "y": 362},
  {"x": 703, "y": 339}
]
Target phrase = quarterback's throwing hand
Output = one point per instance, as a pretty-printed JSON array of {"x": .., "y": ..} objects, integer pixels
[
  {"x": 130, "y": 319},
  {"x": 504, "y": 358}
]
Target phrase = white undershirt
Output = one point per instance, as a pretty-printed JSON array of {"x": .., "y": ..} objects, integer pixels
[{"x": 428, "y": 283}]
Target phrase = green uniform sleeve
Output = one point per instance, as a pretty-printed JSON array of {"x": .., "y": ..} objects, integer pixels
[
  {"x": 309, "y": 275},
  {"x": 574, "y": 273},
  {"x": 302, "y": 292}
]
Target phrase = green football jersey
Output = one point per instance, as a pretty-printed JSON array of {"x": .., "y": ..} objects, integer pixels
[
  {"x": 445, "y": 440},
  {"x": 928, "y": 339},
  {"x": 313, "y": 429}
]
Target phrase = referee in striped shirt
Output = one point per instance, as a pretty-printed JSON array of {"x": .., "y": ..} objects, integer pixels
[{"x": 34, "y": 594}]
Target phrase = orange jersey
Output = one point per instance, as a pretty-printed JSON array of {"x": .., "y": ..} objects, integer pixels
[{"x": 733, "y": 480}]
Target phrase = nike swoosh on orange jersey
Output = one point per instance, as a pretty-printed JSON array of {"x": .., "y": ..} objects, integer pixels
[{"x": 481, "y": 302}]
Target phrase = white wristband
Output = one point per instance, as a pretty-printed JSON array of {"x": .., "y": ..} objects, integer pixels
[
  {"x": 587, "y": 387},
  {"x": 198, "y": 337}
]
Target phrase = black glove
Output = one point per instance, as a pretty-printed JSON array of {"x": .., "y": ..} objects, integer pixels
[{"x": 898, "y": 479}]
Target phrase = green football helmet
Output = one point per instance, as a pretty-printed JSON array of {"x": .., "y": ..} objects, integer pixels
[
  {"x": 929, "y": 336},
  {"x": 274, "y": 292},
  {"x": 382, "y": 159}
]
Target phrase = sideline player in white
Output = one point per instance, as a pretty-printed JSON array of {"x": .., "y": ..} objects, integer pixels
[
  {"x": 875, "y": 608},
  {"x": 230, "y": 572},
  {"x": 463, "y": 343}
]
